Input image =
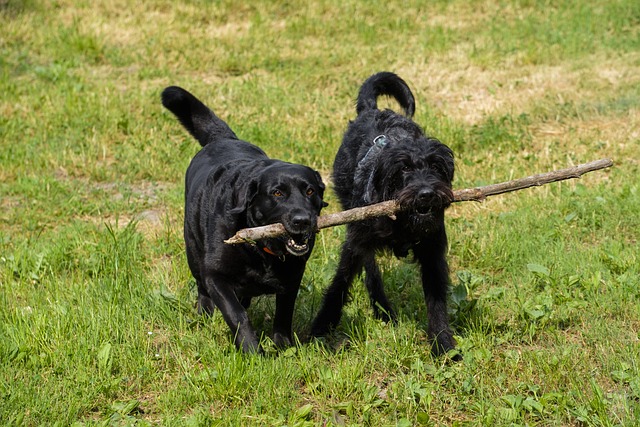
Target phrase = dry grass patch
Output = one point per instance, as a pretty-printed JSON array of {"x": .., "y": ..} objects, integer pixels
[{"x": 469, "y": 93}]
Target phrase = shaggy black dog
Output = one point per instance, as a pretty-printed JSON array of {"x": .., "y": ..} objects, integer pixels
[
  {"x": 232, "y": 184},
  {"x": 387, "y": 156}
]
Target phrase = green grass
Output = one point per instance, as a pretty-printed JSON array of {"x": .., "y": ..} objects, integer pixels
[{"x": 97, "y": 318}]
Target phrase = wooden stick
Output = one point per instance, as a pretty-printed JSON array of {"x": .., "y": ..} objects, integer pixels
[{"x": 390, "y": 207}]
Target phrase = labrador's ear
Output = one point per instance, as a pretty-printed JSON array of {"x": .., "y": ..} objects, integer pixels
[
  {"x": 319, "y": 180},
  {"x": 243, "y": 197}
]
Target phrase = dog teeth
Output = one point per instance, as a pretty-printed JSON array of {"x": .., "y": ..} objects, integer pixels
[
  {"x": 297, "y": 249},
  {"x": 294, "y": 245}
]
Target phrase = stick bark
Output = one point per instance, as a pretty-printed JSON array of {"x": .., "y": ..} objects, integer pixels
[{"x": 390, "y": 207}]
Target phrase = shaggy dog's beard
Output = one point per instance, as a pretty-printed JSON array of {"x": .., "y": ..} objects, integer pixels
[{"x": 422, "y": 201}]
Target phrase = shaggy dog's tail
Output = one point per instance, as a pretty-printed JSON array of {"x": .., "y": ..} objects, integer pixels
[
  {"x": 196, "y": 117},
  {"x": 385, "y": 83}
]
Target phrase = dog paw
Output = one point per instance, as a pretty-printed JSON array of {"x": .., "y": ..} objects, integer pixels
[
  {"x": 322, "y": 327},
  {"x": 251, "y": 348},
  {"x": 281, "y": 340},
  {"x": 442, "y": 346},
  {"x": 205, "y": 305},
  {"x": 386, "y": 315},
  {"x": 325, "y": 322}
]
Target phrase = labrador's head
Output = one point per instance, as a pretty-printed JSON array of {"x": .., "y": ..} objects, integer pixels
[{"x": 292, "y": 195}]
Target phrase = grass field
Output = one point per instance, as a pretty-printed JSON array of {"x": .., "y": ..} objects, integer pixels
[{"x": 97, "y": 317}]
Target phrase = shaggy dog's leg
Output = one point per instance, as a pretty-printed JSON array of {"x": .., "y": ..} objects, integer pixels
[
  {"x": 435, "y": 283},
  {"x": 337, "y": 294},
  {"x": 373, "y": 280}
]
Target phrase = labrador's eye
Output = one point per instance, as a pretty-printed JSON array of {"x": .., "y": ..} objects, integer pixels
[
  {"x": 277, "y": 193},
  {"x": 310, "y": 192}
]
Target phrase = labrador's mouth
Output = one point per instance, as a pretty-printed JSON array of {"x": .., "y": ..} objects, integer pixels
[{"x": 297, "y": 246}]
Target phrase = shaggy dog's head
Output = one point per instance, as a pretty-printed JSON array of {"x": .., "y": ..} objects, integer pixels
[{"x": 413, "y": 169}]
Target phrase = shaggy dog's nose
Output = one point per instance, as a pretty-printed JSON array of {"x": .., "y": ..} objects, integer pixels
[{"x": 425, "y": 195}]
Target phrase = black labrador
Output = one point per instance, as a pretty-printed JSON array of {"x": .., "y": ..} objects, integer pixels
[{"x": 232, "y": 184}]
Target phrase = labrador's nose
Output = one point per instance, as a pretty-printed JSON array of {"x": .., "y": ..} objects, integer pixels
[{"x": 301, "y": 220}]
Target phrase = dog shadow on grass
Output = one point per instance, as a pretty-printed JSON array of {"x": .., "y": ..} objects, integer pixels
[
  {"x": 402, "y": 283},
  {"x": 403, "y": 286}
]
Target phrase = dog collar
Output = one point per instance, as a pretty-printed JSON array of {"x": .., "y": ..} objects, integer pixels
[
  {"x": 270, "y": 252},
  {"x": 365, "y": 165}
]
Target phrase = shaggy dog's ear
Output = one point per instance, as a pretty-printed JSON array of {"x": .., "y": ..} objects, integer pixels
[
  {"x": 322, "y": 187},
  {"x": 450, "y": 164},
  {"x": 244, "y": 198}
]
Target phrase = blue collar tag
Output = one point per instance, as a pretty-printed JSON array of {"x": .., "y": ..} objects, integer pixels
[{"x": 380, "y": 141}]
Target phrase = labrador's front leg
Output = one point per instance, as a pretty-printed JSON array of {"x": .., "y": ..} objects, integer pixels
[
  {"x": 221, "y": 292},
  {"x": 283, "y": 319}
]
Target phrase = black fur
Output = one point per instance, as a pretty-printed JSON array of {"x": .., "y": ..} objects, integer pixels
[
  {"x": 387, "y": 156},
  {"x": 232, "y": 184}
]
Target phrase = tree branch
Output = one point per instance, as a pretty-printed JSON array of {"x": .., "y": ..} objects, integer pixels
[{"x": 390, "y": 207}]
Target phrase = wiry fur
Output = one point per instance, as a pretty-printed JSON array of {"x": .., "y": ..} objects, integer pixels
[
  {"x": 412, "y": 168},
  {"x": 232, "y": 184}
]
